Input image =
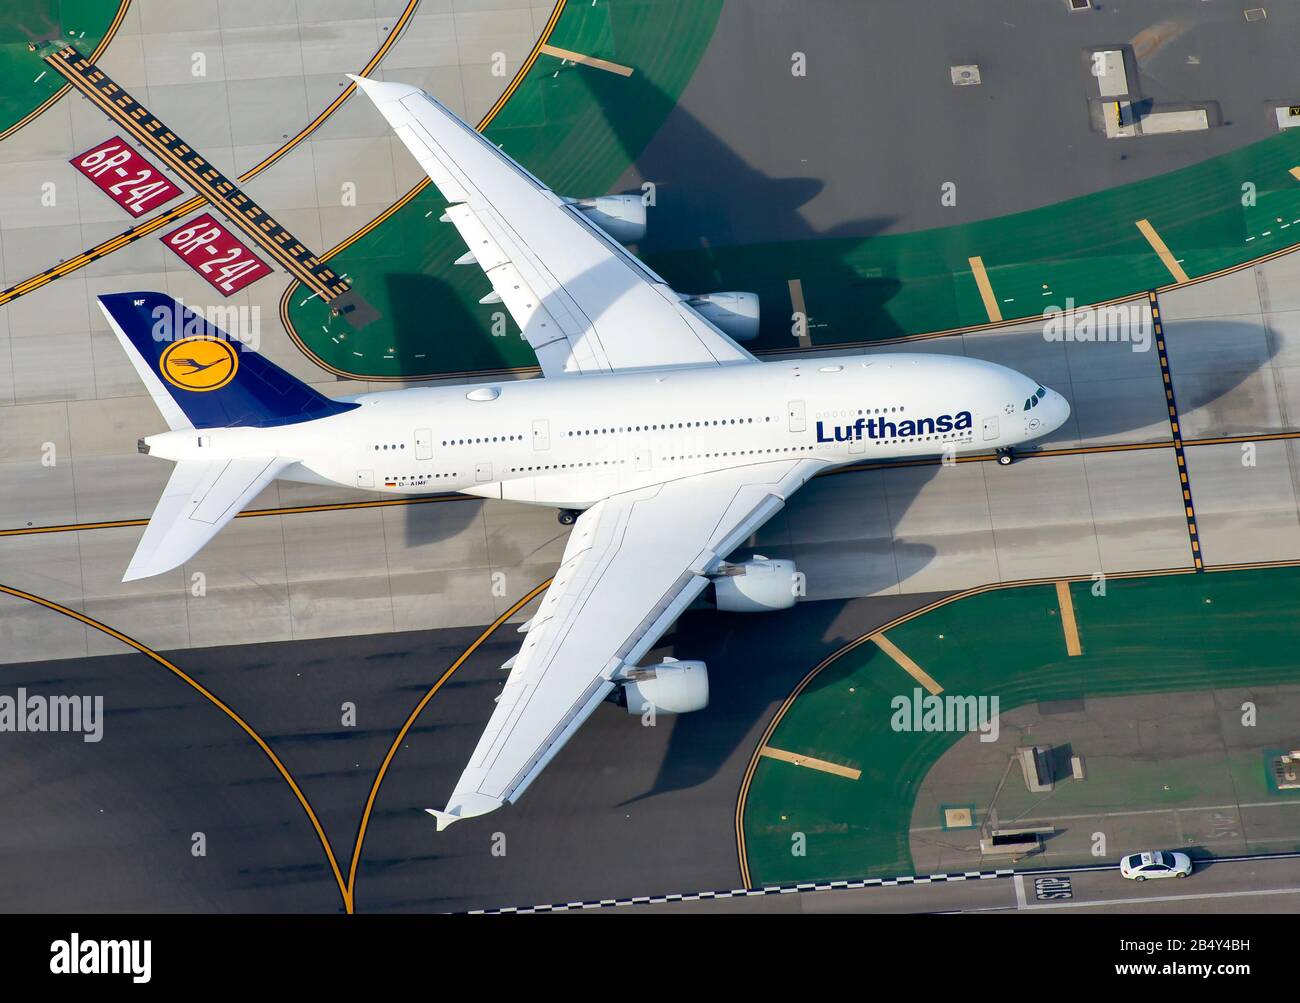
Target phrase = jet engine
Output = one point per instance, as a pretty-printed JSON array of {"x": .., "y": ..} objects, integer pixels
[
  {"x": 671, "y": 687},
  {"x": 620, "y": 216},
  {"x": 735, "y": 314},
  {"x": 758, "y": 585}
]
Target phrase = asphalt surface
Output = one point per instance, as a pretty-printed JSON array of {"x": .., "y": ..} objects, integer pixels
[
  {"x": 861, "y": 144},
  {"x": 623, "y": 810}
]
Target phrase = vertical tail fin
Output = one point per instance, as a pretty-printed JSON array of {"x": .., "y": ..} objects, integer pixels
[{"x": 199, "y": 376}]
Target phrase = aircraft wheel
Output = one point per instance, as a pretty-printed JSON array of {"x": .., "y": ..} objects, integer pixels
[
  {"x": 567, "y": 517},
  {"x": 1006, "y": 457}
]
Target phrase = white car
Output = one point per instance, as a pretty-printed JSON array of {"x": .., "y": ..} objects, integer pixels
[{"x": 1155, "y": 864}]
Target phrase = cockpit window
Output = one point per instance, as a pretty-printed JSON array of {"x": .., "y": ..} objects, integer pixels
[{"x": 1039, "y": 394}]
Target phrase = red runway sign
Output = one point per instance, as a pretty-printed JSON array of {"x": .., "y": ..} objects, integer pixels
[
  {"x": 125, "y": 176},
  {"x": 216, "y": 254}
]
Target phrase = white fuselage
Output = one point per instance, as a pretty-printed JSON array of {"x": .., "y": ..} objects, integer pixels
[{"x": 571, "y": 442}]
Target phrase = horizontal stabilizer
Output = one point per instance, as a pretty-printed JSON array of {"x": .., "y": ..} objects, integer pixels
[{"x": 200, "y": 498}]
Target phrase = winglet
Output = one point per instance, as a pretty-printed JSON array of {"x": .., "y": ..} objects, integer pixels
[
  {"x": 464, "y": 804},
  {"x": 445, "y": 818},
  {"x": 382, "y": 90}
]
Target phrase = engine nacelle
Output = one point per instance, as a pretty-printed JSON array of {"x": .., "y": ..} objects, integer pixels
[
  {"x": 671, "y": 687},
  {"x": 759, "y": 585},
  {"x": 621, "y": 216},
  {"x": 735, "y": 314}
]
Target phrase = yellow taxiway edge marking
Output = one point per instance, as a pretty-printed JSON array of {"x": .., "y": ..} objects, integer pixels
[
  {"x": 797, "y": 304},
  {"x": 1068, "y": 623},
  {"x": 592, "y": 61},
  {"x": 986, "y": 288},
  {"x": 907, "y": 665},
  {"x": 810, "y": 762},
  {"x": 1162, "y": 250}
]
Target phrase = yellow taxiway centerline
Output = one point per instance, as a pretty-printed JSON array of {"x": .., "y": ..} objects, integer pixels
[
  {"x": 1162, "y": 250},
  {"x": 811, "y": 762},
  {"x": 592, "y": 61},
  {"x": 848, "y": 469},
  {"x": 1068, "y": 623},
  {"x": 907, "y": 665},
  {"x": 217, "y": 702},
  {"x": 411, "y": 718}
]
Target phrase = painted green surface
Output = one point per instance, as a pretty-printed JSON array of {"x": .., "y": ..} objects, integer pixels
[
  {"x": 576, "y": 127},
  {"x": 81, "y": 22},
  {"x": 579, "y": 128},
  {"x": 1087, "y": 248},
  {"x": 1167, "y": 634}
]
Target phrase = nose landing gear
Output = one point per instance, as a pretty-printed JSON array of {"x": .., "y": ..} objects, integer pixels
[
  {"x": 568, "y": 516},
  {"x": 1006, "y": 456}
]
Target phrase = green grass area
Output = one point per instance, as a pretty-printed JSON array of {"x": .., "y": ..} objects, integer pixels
[
  {"x": 81, "y": 22},
  {"x": 576, "y": 127},
  {"x": 1146, "y": 635}
]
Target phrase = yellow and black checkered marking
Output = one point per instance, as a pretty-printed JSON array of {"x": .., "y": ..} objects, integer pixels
[
  {"x": 1175, "y": 426},
  {"x": 194, "y": 168}
]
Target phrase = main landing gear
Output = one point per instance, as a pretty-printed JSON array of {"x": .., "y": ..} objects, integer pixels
[
  {"x": 1006, "y": 456},
  {"x": 568, "y": 516}
]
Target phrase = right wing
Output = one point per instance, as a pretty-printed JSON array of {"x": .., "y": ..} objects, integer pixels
[
  {"x": 634, "y": 563},
  {"x": 582, "y": 301},
  {"x": 199, "y": 499}
]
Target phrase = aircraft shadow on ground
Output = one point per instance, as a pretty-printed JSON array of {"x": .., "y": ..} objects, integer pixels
[{"x": 686, "y": 217}]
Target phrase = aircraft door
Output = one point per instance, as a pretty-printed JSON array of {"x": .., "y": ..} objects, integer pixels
[
  {"x": 483, "y": 472},
  {"x": 541, "y": 434},
  {"x": 798, "y": 419},
  {"x": 423, "y": 444},
  {"x": 990, "y": 428},
  {"x": 365, "y": 478}
]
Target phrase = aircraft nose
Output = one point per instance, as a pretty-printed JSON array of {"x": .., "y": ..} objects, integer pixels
[{"x": 1060, "y": 409}]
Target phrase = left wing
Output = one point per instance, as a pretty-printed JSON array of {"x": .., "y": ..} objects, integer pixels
[
  {"x": 635, "y": 561},
  {"x": 582, "y": 301}
]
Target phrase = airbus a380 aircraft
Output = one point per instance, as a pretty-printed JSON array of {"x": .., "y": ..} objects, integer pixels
[{"x": 660, "y": 438}]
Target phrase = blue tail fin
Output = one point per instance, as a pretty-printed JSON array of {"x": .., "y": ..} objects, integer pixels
[{"x": 202, "y": 378}]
